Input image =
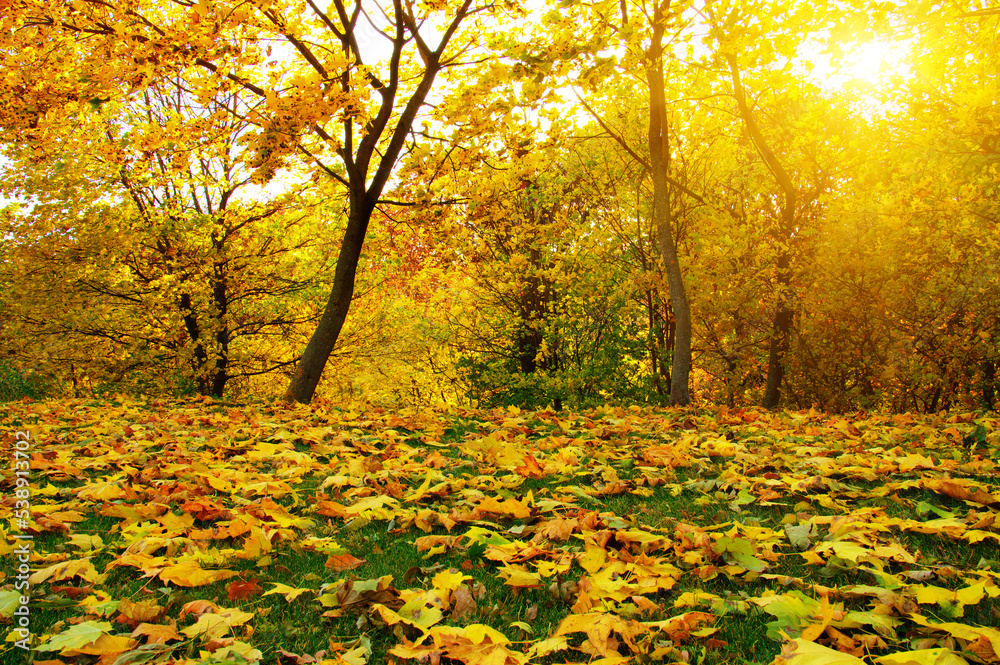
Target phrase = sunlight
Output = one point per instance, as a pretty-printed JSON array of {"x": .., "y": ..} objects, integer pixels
[
  {"x": 873, "y": 62},
  {"x": 863, "y": 69}
]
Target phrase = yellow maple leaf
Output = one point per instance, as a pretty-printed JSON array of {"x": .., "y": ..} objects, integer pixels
[
  {"x": 449, "y": 580},
  {"x": 290, "y": 593},
  {"x": 188, "y": 573},
  {"x": 939, "y": 656},
  {"x": 598, "y": 627},
  {"x": 519, "y": 576},
  {"x": 106, "y": 491},
  {"x": 65, "y": 570},
  {"x": 213, "y": 625},
  {"x": 804, "y": 652}
]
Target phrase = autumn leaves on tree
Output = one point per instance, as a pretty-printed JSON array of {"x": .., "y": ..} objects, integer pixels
[{"x": 613, "y": 200}]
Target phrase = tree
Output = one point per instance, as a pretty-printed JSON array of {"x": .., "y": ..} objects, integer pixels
[
  {"x": 659, "y": 165},
  {"x": 143, "y": 261},
  {"x": 329, "y": 96},
  {"x": 548, "y": 320},
  {"x": 364, "y": 190},
  {"x": 637, "y": 32},
  {"x": 942, "y": 201}
]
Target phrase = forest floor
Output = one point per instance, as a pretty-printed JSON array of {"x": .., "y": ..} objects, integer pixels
[{"x": 203, "y": 532}]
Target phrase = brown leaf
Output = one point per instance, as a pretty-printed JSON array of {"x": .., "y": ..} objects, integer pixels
[
  {"x": 463, "y": 604},
  {"x": 284, "y": 657},
  {"x": 197, "y": 608},
  {"x": 72, "y": 591},
  {"x": 243, "y": 590}
]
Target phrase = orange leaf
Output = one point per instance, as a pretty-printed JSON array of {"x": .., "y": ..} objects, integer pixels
[
  {"x": 339, "y": 562},
  {"x": 961, "y": 490},
  {"x": 204, "y": 509},
  {"x": 157, "y": 633},
  {"x": 531, "y": 469},
  {"x": 511, "y": 507},
  {"x": 197, "y": 608}
]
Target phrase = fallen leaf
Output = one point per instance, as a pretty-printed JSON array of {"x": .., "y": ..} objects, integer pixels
[
  {"x": 188, "y": 573},
  {"x": 90, "y": 638},
  {"x": 290, "y": 593},
  {"x": 157, "y": 633},
  {"x": 803, "y": 652},
  {"x": 65, "y": 570},
  {"x": 243, "y": 590},
  {"x": 340, "y": 562}
]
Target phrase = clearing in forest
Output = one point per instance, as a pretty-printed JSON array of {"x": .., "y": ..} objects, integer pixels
[{"x": 202, "y": 532}]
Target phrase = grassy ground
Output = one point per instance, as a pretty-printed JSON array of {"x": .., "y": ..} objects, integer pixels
[{"x": 184, "y": 532}]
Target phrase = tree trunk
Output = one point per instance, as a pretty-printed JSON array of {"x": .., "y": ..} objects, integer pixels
[
  {"x": 781, "y": 329},
  {"x": 357, "y": 160},
  {"x": 654, "y": 342},
  {"x": 659, "y": 159},
  {"x": 321, "y": 344},
  {"x": 210, "y": 383},
  {"x": 220, "y": 294},
  {"x": 989, "y": 383},
  {"x": 781, "y": 326},
  {"x": 781, "y": 332}
]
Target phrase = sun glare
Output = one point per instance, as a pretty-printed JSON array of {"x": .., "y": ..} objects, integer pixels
[
  {"x": 873, "y": 62},
  {"x": 863, "y": 68}
]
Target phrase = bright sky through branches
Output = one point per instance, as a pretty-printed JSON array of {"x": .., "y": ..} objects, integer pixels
[{"x": 872, "y": 63}]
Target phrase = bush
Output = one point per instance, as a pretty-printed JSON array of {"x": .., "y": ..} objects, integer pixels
[{"x": 15, "y": 384}]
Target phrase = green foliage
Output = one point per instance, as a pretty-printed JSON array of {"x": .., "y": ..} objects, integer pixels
[
  {"x": 16, "y": 384},
  {"x": 584, "y": 370},
  {"x": 553, "y": 320}
]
